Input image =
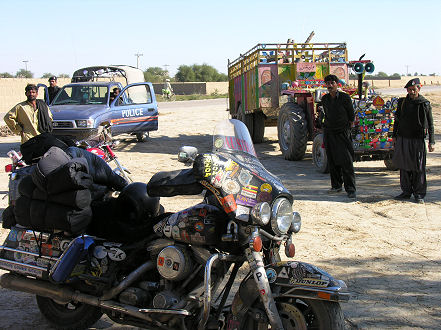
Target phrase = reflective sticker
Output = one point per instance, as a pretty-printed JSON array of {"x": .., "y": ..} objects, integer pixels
[
  {"x": 283, "y": 273},
  {"x": 243, "y": 213},
  {"x": 161, "y": 261},
  {"x": 199, "y": 226},
  {"x": 116, "y": 254},
  {"x": 99, "y": 252},
  {"x": 230, "y": 186},
  {"x": 217, "y": 180},
  {"x": 176, "y": 266},
  {"x": 264, "y": 197},
  {"x": 173, "y": 219},
  {"x": 266, "y": 187},
  {"x": 245, "y": 177},
  {"x": 228, "y": 203},
  {"x": 271, "y": 274},
  {"x": 218, "y": 143}
]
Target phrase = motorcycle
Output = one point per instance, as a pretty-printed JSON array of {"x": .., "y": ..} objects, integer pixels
[{"x": 167, "y": 276}]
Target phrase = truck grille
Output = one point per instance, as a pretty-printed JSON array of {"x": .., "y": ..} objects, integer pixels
[{"x": 63, "y": 124}]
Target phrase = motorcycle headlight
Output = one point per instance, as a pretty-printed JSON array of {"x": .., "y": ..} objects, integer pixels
[
  {"x": 282, "y": 216},
  {"x": 86, "y": 123},
  {"x": 296, "y": 223},
  {"x": 261, "y": 213}
]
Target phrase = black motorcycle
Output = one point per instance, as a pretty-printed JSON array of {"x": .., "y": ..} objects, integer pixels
[{"x": 169, "y": 271}]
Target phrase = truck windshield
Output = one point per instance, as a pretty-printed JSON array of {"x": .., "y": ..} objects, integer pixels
[{"x": 82, "y": 95}]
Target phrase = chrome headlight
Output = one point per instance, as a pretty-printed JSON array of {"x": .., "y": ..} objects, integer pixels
[
  {"x": 86, "y": 123},
  {"x": 282, "y": 216},
  {"x": 261, "y": 213}
]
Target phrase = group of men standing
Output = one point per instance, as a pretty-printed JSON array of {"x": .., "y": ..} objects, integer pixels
[{"x": 413, "y": 123}]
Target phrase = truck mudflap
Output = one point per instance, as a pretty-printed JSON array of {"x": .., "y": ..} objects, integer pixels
[{"x": 292, "y": 279}]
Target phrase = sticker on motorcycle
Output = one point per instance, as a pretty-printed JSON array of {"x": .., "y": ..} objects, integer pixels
[
  {"x": 229, "y": 204},
  {"x": 245, "y": 177},
  {"x": 283, "y": 273},
  {"x": 264, "y": 197},
  {"x": 116, "y": 254},
  {"x": 246, "y": 201},
  {"x": 99, "y": 252},
  {"x": 243, "y": 213},
  {"x": 266, "y": 187},
  {"x": 271, "y": 274},
  {"x": 249, "y": 191},
  {"x": 230, "y": 187},
  {"x": 309, "y": 282}
]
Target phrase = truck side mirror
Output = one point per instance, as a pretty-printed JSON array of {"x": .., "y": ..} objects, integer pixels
[{"x": 187, "y": 154}]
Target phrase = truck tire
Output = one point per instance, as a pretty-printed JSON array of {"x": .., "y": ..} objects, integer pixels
[
  {"x": 247, "y": 119},
  {"x": 319, "y": 157},
  {"x": 258, "y": 127},
  {"x": 142, "y": 137},
  {"x": 292, "y": 131}
]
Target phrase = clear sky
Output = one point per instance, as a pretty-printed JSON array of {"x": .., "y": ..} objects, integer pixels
[{"x": 60, "y": 36}]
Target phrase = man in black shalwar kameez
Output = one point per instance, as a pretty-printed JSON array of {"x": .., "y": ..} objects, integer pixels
[
  {"x": 339, "y": 115},
  {"x": 413, "y": 120}
]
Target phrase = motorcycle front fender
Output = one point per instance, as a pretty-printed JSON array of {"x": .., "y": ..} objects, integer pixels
[{"x": 292, "y": 279}]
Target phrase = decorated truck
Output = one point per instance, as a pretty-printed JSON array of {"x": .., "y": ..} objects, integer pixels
[{"x": 282, "y": 85}]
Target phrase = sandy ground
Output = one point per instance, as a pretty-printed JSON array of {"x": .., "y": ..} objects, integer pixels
[{"x": 387, "y": 251}]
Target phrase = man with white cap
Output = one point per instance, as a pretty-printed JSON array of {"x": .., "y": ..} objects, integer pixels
[{"x": 413, "y": 122}]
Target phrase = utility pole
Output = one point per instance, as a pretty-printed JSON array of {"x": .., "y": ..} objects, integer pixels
[
  {"x": 165, "y": 67},
  {"x": 26, "y": 64},
  {"x": 138, "y": 55},
  {"x": 407, "y": 69}
]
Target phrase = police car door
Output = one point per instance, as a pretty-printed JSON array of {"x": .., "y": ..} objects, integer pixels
[{"x": 134, "y": 110}]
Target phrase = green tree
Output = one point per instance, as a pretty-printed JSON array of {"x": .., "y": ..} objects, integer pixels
[
  {"x": 6, "y": 75},
  {"x": 432, "y": 74},
  {"x": 155, "y": 74},
  {"x": 63, "y": 75},
  {"x": 415, "y": 74},
  {"x": 396, "y": 75},
  {"x": 22, "y": 73},
  {"x": 47, "y": 75},
  {"x": 198, "y": 72},
  {"x": 382, "y": 74}
]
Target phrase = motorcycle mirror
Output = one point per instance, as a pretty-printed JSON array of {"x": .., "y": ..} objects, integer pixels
[{"x": 187, "y": 154}]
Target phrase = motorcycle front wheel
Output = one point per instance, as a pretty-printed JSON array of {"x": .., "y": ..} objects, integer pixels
[
  {"x": 69, "y": 316},
  {"x": 303, "y": 314}
]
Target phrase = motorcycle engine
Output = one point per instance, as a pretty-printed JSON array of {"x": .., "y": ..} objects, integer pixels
[{"x": 174, "y": 263}]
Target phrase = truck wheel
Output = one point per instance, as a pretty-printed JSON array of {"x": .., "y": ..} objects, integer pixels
[
  {"x": 319, "y": 157},
  {"x": 258, "y": 127},
  {"x": 142, "y": 137},
  {"x": 292, "y": 131},
  {"x": 390, "y": 165},
  {"x": 247, "y": 119}
]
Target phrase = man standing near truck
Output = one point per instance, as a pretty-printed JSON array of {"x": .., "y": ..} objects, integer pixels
[
  {"x": 338, "y": 117},
  {"x": 413, "y": 120},
  {"x": 53, "y": 89}
]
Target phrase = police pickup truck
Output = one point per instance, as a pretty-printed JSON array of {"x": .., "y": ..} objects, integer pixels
[{"x": 97, "y": 96}]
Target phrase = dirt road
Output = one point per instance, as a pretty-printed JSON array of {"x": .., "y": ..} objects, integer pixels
[{"x": 388, "y": 252}]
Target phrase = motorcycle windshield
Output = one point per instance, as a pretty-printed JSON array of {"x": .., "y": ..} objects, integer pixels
[{"x": 232, "y": 136}]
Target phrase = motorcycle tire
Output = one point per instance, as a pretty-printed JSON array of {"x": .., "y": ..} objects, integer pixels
[
  {"x": 303, "y": 314},
  {"x": 71, "y": 316}
]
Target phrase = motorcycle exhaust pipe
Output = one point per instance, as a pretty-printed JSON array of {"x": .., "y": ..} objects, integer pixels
[{"x": 64, "y": 294}]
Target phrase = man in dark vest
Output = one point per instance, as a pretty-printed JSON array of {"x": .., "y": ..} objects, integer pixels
[
  {"x": 339, "y": 115},
  {"x": 31, "y": 117},
  {"x": 413, "y": 122},
  {"x": 53, "y": 89}
]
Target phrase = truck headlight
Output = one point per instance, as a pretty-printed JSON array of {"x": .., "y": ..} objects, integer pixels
[
  {"x": 85, "y": 123},
  {"x": 261, "y": 213},
  {"x": 281, "y": 216}
]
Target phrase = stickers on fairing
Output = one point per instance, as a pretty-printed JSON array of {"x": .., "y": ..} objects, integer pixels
[
  {"x": 283, "y": 273},
  {"x": 243, "y": 213},
  {"x": 99, "y": 252},
  {"x": 218, "y": 143},
  {"x": 246, "y": 201},
  {"x": 249, "y": 191},
  {"x": 309, "y": 282},
  {"x": 264, "y": 197},
  {"x": 245, "y": 177},
  {"x": 230, "y": 186},
  {"x": 266, "y": 187},
  {"x": 228, "y": 203}
]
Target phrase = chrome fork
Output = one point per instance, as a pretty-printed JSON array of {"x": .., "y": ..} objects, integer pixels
[{"x": 255, "y": 261}]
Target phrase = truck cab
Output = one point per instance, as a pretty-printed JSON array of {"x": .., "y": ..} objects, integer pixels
[{"x": 106, "y": 94}]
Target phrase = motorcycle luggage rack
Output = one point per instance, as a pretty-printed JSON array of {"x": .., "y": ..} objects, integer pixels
[{"x": 22, "y": 267}]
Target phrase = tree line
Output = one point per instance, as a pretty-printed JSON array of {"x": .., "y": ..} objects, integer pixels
[{"x": 185, "y": 73}]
